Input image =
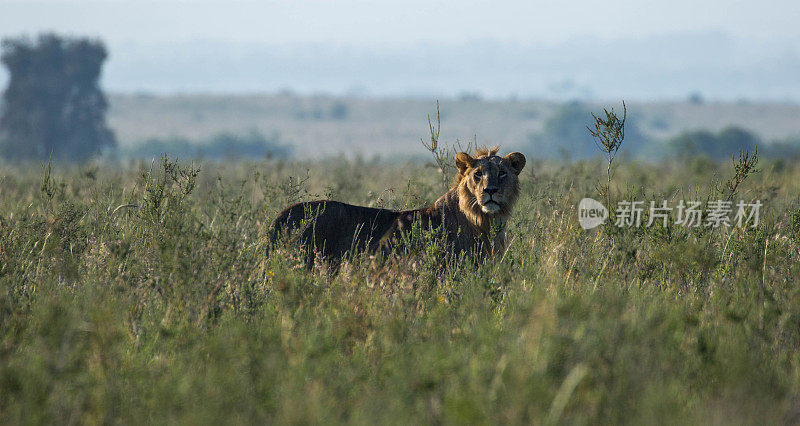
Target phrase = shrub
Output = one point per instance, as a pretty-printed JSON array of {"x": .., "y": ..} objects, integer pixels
[
  {"x": 565, "y": 136},
  {"x": 227, "y": 146}
]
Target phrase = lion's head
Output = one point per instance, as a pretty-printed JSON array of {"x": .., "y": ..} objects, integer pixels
[{"x": 488, "y": 185}]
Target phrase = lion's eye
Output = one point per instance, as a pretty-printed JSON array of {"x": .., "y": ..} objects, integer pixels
[
  {"x": 478, "y": 174},
  {"x": 502, "y": 174}
]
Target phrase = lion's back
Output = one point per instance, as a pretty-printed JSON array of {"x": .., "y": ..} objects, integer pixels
[{"x": 333, "y": 228}]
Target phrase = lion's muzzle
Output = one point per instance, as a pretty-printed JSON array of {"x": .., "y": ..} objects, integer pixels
[{"x": 490, "y": 201}]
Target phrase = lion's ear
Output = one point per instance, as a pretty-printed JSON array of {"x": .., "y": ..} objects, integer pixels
[
  {"x": 463, "y": 162},
  {"x": 516, "y": 161}
]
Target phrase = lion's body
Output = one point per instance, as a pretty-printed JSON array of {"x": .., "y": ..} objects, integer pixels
[
  {"x": 462, "y": 234},
  {"x": 332, "y": 229},
  {"x": 472, "y": 214}
]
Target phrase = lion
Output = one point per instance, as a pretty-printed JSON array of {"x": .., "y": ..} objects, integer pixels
[{"x": 472, "y": 214}]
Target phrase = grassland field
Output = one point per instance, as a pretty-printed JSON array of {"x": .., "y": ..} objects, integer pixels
[
  {"x": 148, "y": 294},
  {"x": 322, "y": 126}
]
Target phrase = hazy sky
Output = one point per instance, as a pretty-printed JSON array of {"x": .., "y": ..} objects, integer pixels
[
  {"x": 370, "y": 23},
  {"x": 632, "y": 49}
]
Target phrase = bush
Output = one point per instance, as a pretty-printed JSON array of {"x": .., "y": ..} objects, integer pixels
[
  {"x": 226, "y": 146},
  {"x": 717, "y": 146},
  {"x": 565, "y": 135}
]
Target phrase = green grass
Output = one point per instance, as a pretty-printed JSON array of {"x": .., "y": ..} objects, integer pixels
[{"x": 170, "y": 310}]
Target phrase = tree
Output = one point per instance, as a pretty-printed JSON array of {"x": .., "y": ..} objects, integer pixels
[
  {"x": 564, "y": 134},
  {"x": 53, "y": 104},
  {"x": 719, "y": 146}
]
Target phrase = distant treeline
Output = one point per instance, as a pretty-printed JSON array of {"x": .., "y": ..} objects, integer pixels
[
  {"x": 253, "y": 145},
  {"x": 723, "y": 144},
  {"x": 565, "y": 136}
]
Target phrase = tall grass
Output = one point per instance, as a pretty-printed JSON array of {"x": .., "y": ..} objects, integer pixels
[{"x": 146, "y": 294}]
